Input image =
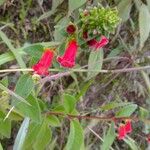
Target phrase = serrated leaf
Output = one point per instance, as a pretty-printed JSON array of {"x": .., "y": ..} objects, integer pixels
[
  {"x": 109, "y": 138},
  {"x": 144, "y": 25},
  {"x": 126, "y": 111},
  {"x": 95, "y": 63},
  {"x": 69, "y": 103},
  {"x": 124, "y": 9},
  {"x": 76, "y": 136},
  {"x": 74, "y": 4},
  {"x": 21, "y": 135}
]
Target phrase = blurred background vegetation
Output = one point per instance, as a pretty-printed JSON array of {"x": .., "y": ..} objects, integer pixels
[{"x": 35, "y": 21}]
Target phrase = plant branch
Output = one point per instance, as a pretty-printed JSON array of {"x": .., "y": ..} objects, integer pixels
[
  {"x": 105, "y": 118},
  {"x": 70, "y": 116},
  {"x": 83, "y": 70}
]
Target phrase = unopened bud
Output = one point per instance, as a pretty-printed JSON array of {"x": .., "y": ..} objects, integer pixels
[
  {"x": 85, "y": 12},
  {"x": 95, "y": 32},
  {"x": 36, "y": 78}
]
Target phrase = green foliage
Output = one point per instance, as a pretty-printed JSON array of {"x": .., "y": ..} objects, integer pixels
[
  {"x": 75, "y": 4},
  {"x": 124, "y": 8},
  {"x": 13, "y": 50},
  {"x": 95, "y": 63},
  {"x": 38, "y": 136},
  {"x": 69, "y": 103},
  {"x": 109, "y": 137},
  {"x": 53, "y": 121},
  {"x": 1, "y": 148},
  {"x": 104, "y": 20},
  {"x": 144, "y": 26},
  {"x": 5, "y": 126},
  {"x": 41, "y": 115},
  {"x": 76, "y": 137},
  {"x": 21, "y": 134},
  {"x": 126, "y": 111}
]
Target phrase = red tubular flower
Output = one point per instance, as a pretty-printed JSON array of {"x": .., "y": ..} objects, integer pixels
[
  {"x": 68, "y": 59},
  {"x": 44, "y": 63},
  {"x": 121, "y": 132},
  {"x": 98, "y": 44},
  {"x": 103, "y": 41},
  {"x": 71, "y": 29},
  {"x": 128, "y": 126}
]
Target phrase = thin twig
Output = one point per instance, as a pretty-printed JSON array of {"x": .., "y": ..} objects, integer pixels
[
  {"x": 106, "y": 118},
  {"x": 70, "y": 116},
  {"x": 84, "y": 70}
]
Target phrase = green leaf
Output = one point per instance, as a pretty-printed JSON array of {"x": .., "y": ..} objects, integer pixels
[
  {"x": 21, "y": 135},
  {"x": 4, "y": 81},
  {"x": 133, "y": 145},
  {"x": 126, "y": 111},
  {"x": 144, "y": 25},
  {"x": 24, "y": 86},
  {"x": 32, "y": 111},
  {"x": 34, "y": 51},
  {"x": 17, "y": 97},
  {"x": 43, "y": 137},
  {"x": 109, "y": 138},
  {"x": 124, "y": 9},
  {"x": 113, "y": 105},
  {"x": 6, "y": 57},
  {"x": 84, "y": 87},
  {"x": 56, "y": 3},
  {"x": 59, "y": 28},
  {"x": 1, "y": 148},
  {"x": 13, "y": 50},
  {"x": 74, "y": 4},
  {"x": 31, "y": 135},
  {"x": 47, "y": 14},
  {"x": 76, "y": 136},
  {"x": 5, "y": 126},
  {"x": 95, "y": 63},
  {"x": 69, "y": 103},
  {"x": 53, "y": 121},
  {"x": 38, "y": 136}
]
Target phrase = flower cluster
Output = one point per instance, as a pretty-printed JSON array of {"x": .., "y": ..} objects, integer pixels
[
  {"x": 124, "y": 129},
  {"x": 104, "y": 20},
  {"x": 92, "y": 26}
]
